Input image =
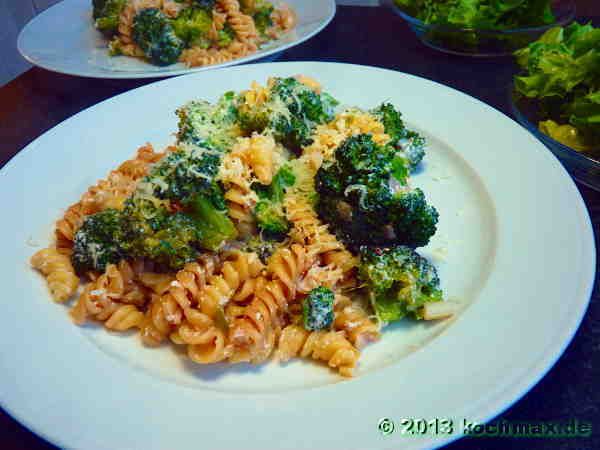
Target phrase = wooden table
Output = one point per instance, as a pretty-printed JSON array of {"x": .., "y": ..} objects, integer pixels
[{"x": 38, "y": 100}]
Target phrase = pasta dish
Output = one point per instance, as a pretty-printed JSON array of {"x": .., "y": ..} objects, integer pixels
[{"x": 277, "y": 225}]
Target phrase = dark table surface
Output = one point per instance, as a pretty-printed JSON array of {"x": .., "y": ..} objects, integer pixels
[{"x": 38, "y": 100}]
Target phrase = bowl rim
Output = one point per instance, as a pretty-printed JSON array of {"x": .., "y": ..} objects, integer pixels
[
  {"x": 524, "y": 120},
  {"x": 568, "y": 16}
]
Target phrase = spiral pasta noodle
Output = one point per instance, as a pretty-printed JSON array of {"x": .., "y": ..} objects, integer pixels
[
  {"x": 166, "y": 311},
  {"x": 354, "y": 321},
  {"x": 112, "y": 298},
  {"x": 58, "y": 271},
  {"x": 329, "y": 346},
  {"x": 200, "y": 329},
  {"x": 242, "y": 24},
  {"x": 251, "y": 159},
  {"x": 254, "y": 333},
  {"x": 219, "y": 19},
  {"x": 235, "y": 279}
]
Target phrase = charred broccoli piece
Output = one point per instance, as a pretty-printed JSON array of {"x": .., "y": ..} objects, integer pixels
[
  {"x": 106, "y": 14},
  {"x": 399, "y": 280},
  {"x": 317, "y": 309},
  {"x": 192, "y": 26},
  {"x": 98, "y": 242},
  {"x": 291, "y": 112},
  {"x": 153, "y": 33},
  {"x": 270, "y": 216},
  {"x": 364, "y": 195},
  {"x": 408, "y": 143},
  {"x": 214, "y": 125},
  {"x": 205, "y": 4},
  {"x": 262, "y": 246}
]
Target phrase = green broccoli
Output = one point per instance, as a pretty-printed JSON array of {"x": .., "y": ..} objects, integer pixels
[
  {"x": 185, "y": 172},
  {"x": 270, "y": 216},
  {"x": 399, "y": 280},
  {"x": 106, "y": 14},
  {"x": 214, "y": 222},
  {"x": 153, "y": 33},
  {"x": 188, "y": 176},
  {"x": 408, "y": 143},
  {"x": 264, "y": 248},
  {"x": 291, "y": 112},
  {"x": 216, "y": 125},
  {"x": 150, "y": 230},
  {"x": 261, "y": 14},
  {"x": 174, "y": 243},
  {"x": 98, "y": 242},
  {"x": 226, "y": 36},
  {"x": 192, "y": 26},
  {"x": 317, "y": 309},
  {"x": 364, "y": 195}
]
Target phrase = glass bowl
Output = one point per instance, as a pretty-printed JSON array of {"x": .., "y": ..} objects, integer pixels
[
  {"x": 582, "y": 167},
  {"x": 478, "y": 42}
]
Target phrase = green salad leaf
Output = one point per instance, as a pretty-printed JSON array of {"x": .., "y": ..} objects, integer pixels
[
  {"x": 481, "y": 14},
  {"x": 561, "y": 72}
]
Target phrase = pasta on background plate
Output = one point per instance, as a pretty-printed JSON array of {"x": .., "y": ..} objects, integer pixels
[
  {"x": 277, "y": 225},
  {"x": 194, "y": 32}
]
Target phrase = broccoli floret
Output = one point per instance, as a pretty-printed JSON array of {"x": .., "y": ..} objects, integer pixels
[
  {"x": 408, "y": 143},
  {"x": 192, "y": 26},
  {"x": 270, "y": 216},
  {"x": 174, "y": 242},
  {"x": 215, "y": 225},
  {"x": 261, "y": 13},
  {"x": 262, "y": 246},
  {"x": 184, "y": 173},
  {"x": 364, "y": 195},
  {"x": 98, "y": 242},
  {"x": 291, "y": 112},
  {"x": 187, "y": 176},
  {"x": 271, "y": 219},
  {"x": 154, "y": 34},
  {"x": 106, "y": 14},
  {"x": 317, "y": 309},
  {"x": 216, "y": 125},
  {"x": 98, "y": 7},
  {"x": 399, "y": 280},
  {"x": 226, "y": 36}
]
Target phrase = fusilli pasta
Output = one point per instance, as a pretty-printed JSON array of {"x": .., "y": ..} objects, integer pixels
[
  {"x": 254, "y": 333},
  {"x": 59, "y": 273},
  {"x": 329, "y": 346}
]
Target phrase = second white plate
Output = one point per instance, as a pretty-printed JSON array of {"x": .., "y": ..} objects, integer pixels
[{"x": 63, "y": 39}]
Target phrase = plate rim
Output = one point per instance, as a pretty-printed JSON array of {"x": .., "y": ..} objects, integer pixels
[
  {"x": 123, "y": 75},
  {"x": 540, "y": 365}
]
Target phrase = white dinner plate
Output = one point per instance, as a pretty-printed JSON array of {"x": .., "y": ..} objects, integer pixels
[
  {"x": 514, "y": 247},
  {"x": 63, "y": 39}
]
